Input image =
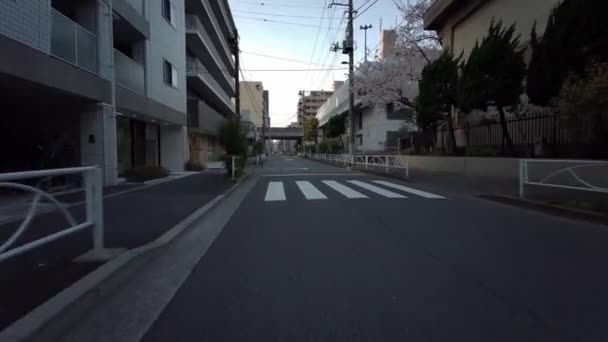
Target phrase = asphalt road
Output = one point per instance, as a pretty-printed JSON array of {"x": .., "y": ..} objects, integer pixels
[{"x": 359, "y": 264}]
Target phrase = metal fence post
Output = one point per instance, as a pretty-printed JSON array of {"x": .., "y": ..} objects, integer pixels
[
  {"x": 386, "y": 163},
  {"x": 93, "y": 185},
  {"x": 233, "y": 166},
  {"x": 407, "y": 167},
  {"x": 523, "y": 176},
  {"x": 366, "y": 161}
]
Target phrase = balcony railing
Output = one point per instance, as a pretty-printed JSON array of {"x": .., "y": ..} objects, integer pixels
[
  {"x": 193, "y": 23},
  {"x": 138, "y": 5},
  {"x": 129, "y": 73},
  {"x": 73, "y": 43},
  {"x": 195, "y": 67}
]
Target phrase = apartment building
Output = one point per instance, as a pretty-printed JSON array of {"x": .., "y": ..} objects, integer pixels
[
  {"x": 210, "y": 69},
  {"x": 310, "y": 102},
  {"x": 253, "y": 107},
  {"x": 92, "y": 82},
  {"x": 460, "y": 24}
]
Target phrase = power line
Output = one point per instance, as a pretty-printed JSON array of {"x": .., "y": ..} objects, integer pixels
[
  {"x": 282, "y": 15},
  {"x": 363, "y": 4},
  {"x": 365, "y": 10},
  {"x": 314, "y": 48},
  {"x": 284, "y": 59},
  {"x": 275, "y": 21},
  {"x": 276, "y": 5}
]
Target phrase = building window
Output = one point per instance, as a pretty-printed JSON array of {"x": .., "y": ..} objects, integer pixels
[
  {"x": 169, "y": 12},
  {"x": 169, "y": 74},
  {"x": 359, "y": 140}
]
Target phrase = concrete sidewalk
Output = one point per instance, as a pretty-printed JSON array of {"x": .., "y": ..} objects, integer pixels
[{"x": 131, "y": 219}]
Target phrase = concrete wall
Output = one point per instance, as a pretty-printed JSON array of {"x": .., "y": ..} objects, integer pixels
[
  {"x": 471, "y": 21},
  {"x": 166, "y": 42},
  {"x": 98, "y": 140},
  {"x": 506, "y": 169},
  {"x": 27, "y": 21},
  {"x": 375, "y": 126},
  {"x": 174, "y": 147}
]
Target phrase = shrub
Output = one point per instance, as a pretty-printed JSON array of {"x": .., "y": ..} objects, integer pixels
[
  {"x": 145, "y": 173},
  {"x": 323, "y": 147},
  {"x": 192, "y": 165},
  {"x": 233, "y": 139}
]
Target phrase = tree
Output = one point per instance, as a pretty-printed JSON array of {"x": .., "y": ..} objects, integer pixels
[
  {"x": 390, "y": 82},
  {"x": 336, "y": 128},
  {"x": 437, "y": 94},
  {"x": 575, "y": 37},
  {"x": 493, "y": 75},
  {"x": 234, "y": 141},
  {"x": 583, "y": 103},
  {"x": 311, "y": 127},
  {"x": 411, "y": 35}
]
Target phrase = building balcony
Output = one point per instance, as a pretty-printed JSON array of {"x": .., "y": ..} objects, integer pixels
[
  {"x": 73, "y": 43},
  {"x": 201, "y": 44},
  {"x": 203, "y": 119},
  {"x": 131, "y": 17},
  {"x": 129, "y": 73},
  {"x": 202, "y": 81}
]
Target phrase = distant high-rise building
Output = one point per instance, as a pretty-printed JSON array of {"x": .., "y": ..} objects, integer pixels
[
  {"x": 252, "y": 102},
  {"x": 388, "y": 39},
  {"x": 310, "y": 102}
]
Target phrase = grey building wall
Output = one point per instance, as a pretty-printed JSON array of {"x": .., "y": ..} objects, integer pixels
[
  {"x": 166, "y": 42},
  {"x": 27, "y": 21}
]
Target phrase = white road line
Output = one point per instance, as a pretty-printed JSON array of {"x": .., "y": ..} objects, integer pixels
[
  {"x": 344, "y": 190},
  {"x": 378, "y": 190},
  {"x": 410, "y": 190},
  {"x": 309, "y": 191},
  {"x": 275, "y": 192}
]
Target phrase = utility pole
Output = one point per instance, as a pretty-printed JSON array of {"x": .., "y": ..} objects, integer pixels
[
  {"x": 365, "y": 28},
  {"x": 348, "y": 48},
  {"x": 237, "y": 68}
]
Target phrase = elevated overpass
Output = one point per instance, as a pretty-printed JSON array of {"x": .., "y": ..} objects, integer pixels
[{"x": 286, "y": 133}]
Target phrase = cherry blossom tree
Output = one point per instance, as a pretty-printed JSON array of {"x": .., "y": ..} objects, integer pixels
[{"x": 411, "y": 35}]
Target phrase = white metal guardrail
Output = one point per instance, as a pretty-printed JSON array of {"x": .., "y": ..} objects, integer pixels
[
  {"x": 93, "y": 188},
  {"x": 580, "y": 175},
  {"x": 387, "y": 162}
]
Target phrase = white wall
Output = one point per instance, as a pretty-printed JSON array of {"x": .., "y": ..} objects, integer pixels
[
  {"x": 166, "y": 42},
  {"x": 375, "y": 126},
  {"x": 174, "y": 150},
  {"x": 27, "y": 21}
]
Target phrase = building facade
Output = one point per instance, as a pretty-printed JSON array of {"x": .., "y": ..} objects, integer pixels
[
  {"x": 92, "y": 82},
  {"x": 210, "y": 68},
  {"x": 310, "y": 102},
  {"x": 460, "y": 24},
  {"x": 253, "y": 107}
]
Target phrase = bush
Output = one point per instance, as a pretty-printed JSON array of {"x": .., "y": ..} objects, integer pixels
[
  {"x": 145, "y": 173},
  {"x": 194, "y": 166},
  {"x": 323, "y": 147},
  {"x": 233, "y": 139}
]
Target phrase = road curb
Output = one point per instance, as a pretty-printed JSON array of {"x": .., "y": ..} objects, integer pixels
[
  {"x": 557, "y": 210},
  {"x": 33, "y": 325}
]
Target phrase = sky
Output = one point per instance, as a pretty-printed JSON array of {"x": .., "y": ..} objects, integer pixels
[{"x": 301, "y": 31}]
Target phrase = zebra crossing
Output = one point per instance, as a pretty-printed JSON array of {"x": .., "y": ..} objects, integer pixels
[{"x": 349, "y": 189}]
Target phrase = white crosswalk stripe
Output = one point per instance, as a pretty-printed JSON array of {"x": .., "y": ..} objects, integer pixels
[
  {"x": 378, "y": 190},
  {"x": 309, "y": 191},
  {"x": 344, "y": 190},
  {"x": 409, "y": 190},
  {"x": 275, "y": 192}
]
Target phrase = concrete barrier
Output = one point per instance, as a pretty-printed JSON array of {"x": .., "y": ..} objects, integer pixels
[{"x": 469, "y": 167}]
